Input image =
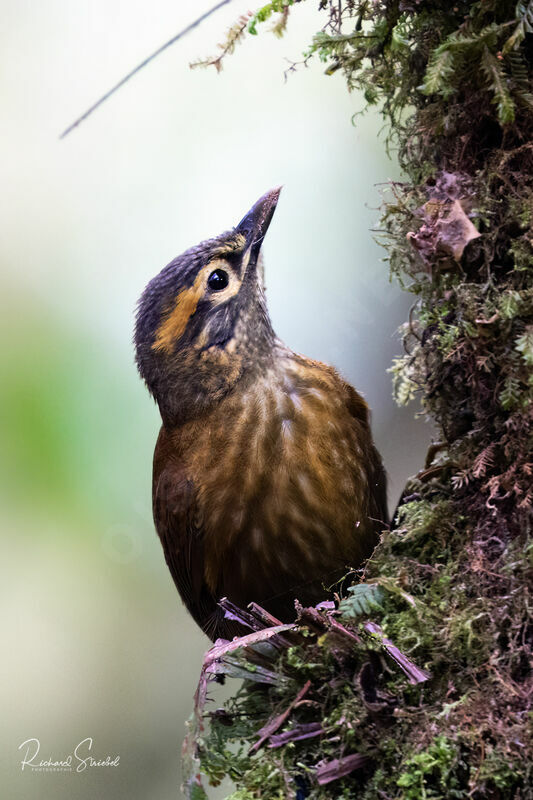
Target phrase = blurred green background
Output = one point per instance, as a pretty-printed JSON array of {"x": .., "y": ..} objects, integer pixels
[{"x": 95, "y": 640}]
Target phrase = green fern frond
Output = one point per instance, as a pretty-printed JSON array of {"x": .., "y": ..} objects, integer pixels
[
  {"x": 510, "y": 394},
  {"x": 524, "y": 345},
  {"x": 497, "y": 79},
  {"x": 518, "y": 68},
  {"x": 439, "y": 72},
  {"x": 364, "y": 599},
  {"x": 510, "y": 304},
  {"x": 400, "y": 37},
  {"x": 524, "y": 13},
  {"x": 521, "y": 84},
  {"x": 525, "y": 99},
  {"x": 443, "y": 61},
  {"x": 264, "y": 13}
]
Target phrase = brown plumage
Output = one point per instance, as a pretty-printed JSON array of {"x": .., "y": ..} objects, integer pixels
[{"x": 266, "y": 482}]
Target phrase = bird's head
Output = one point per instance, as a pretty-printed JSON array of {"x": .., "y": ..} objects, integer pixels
[{"x": 202, "y": 322}]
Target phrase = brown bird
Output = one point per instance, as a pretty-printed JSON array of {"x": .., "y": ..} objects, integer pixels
[{"x": 266, "y": 481}]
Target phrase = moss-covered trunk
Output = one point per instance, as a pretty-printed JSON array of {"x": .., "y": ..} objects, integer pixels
[{"x": 419, "y": 686}]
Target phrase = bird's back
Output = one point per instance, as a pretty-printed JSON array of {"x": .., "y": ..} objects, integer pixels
[{"x": 272, "y": 494}]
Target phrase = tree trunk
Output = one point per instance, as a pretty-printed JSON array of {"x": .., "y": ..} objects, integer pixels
[{"x": 420, "y": 687}]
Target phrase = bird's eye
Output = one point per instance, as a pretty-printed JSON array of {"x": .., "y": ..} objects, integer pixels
[{"x": 218, "y": 280}]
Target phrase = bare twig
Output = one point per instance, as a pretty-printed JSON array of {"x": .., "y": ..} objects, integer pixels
[
  {"x": 274, "y": 723},
  {"x": 140, "y": 66},
  {"x": 414, "y": 674},
  {"x": 333, "y": 770},
  {"x": 222, "y": 647}
]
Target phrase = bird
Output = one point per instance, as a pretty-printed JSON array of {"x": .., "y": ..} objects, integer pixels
[{"x": 267, "y": 486}]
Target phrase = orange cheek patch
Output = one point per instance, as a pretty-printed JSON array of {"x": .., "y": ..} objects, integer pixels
[{"x": 175, "y": 322}]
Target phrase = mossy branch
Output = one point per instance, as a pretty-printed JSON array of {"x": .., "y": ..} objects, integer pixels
[{"x": 447, "y": 591}]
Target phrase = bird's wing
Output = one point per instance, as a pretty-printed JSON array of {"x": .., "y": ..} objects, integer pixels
[
  {"x": 377, "y": 477},
  {"x": 179, "y": 528}
]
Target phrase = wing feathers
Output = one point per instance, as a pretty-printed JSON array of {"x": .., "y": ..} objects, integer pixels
[{"x": 176, "y": 521}]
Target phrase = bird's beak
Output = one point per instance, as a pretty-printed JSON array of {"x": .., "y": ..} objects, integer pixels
[{"x": 255, "y": 224}]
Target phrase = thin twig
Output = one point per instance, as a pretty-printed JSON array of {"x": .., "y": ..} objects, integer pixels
[{"x": 140, "y": 66}]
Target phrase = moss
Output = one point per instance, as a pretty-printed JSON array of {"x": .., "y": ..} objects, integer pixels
[
  {"x": 427, "y": 687},
  {"x": 435, "y": 772}
]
